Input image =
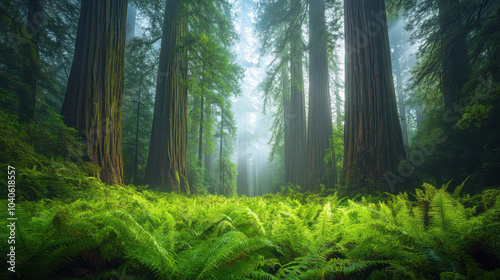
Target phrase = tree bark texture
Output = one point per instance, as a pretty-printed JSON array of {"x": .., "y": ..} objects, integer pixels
[
  {"x": 93, "y": 102},
  {"x": 373, "y": 140},
  {"x": 166, "y": 168},
  {"x": 320, "y": 112}
]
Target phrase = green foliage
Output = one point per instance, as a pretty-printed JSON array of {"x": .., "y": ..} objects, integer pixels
[
  {"x": 47, "y": 157},
  {"x": 134, "y": 232},
  {"x": 334, "y": 158}
]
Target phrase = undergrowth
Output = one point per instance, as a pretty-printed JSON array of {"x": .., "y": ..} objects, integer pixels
[
  {"x": 72, "y": 226},
  {"x": 115, "y": 231}
]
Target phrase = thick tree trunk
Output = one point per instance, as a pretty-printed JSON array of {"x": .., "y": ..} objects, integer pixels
[
  {"x": 27, "y": 95},
  {"x": 372, "y": 139},
  {"x": 166, "y": 168},
  {"x": 297, "y": 115},
  {"x": 455, "y": 59},
  {"x": 93, "y": 102},
  {"x": 401, "y": 98},
  {"x": 320, "y": 112}
]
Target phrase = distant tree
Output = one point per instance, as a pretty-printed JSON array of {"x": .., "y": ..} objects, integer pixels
[
  {"x": 398, "y": 42},
  {"x": 27, "y": 94},
  {"x": 131, "y": 19},
  {"x": 93, "y": 102},
  {"x": 243, "y": 157},
  {"x": 455, "y": 58},
  {"x": 37, "y": 46},
  {"x": 445, "y": 55},
  {"x": 138, "y": 104},
  {"x": 373, "y": 141},
  {"x": 280, "y": 29},
  {"x": 225, "y": 167}
]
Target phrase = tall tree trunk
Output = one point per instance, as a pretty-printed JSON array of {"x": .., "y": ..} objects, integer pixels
[
  {"x": 455, "y": 59},
  {"x": 242, "y": 181},
  {"x": 297, "y": 115},
  {"x": 286, "y": 120},
  {"x": 221, "y": 158},
  {"x": 320, "y": 112},
  {"x": 373, "y": 144},
  {"x": 166, "y": 168},
  {"x": 200, "y": 138},
  {"x": 27, "y": 95},
  {"x": 138, "y": 114},
  {"x": 131, "y": 18},
  {"x": 401, "y": 97},
  {"x": 93, "y": 102},
  {"x": 208, "y": 156},
  {"x": 338, "y": 102}
]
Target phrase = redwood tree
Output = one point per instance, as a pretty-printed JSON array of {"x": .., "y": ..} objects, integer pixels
[
  {"x": 93, "y": 102},
  {"x": 27, "y": 94},
  {"x": 166, "y": 168},
  {"x": 455, "y": 60},
  {"x": 373, "y": 141},
  {"x": 320, "y": 116},
  {"x": 297, "y": 114}
]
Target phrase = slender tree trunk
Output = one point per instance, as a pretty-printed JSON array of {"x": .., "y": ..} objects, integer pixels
[
  {"x": 338, "y": 102},
  {"x": 401, "y": 97},
  {"x": 208, "y": 156},
  {"x": 200, "y": 138},
  {"x": 27, "y": 95},
  {"x": 320, "y": 112},
  {"x": 297, "y": 115},
  {"x": 286, "y": 118},
  {"x": 242, "y": 182},
  {"x": 455, "y": 59},
  {"x": 138, "y": 114},
  {"x": 166, "y": 168},
  {"x": 221, "y": 158},
  {"x": 93, "y": 102},
  {"x": 373, "y": 144}
]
